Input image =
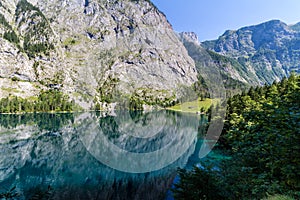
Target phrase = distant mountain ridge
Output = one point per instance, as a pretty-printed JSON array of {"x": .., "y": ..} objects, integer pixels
[{"x": 270, "y": 50}]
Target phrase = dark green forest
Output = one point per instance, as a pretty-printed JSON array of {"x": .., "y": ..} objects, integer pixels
[
  {"x": 261, "y": 137},
  {"x": 50, "y": 100}
]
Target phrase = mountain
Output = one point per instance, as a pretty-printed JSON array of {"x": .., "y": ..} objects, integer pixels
[
  {"x": 98, "y": 52},
  {"x": 269, "y": 51},
  {"x": 95, "y": 51},
  {"x": 235, "y": 76}
]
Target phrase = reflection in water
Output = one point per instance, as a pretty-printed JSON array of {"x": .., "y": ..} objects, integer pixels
[
  {"x": 149, "y": 143},
  {"x": 88, "y": 156},
  {"x": 45, "y": 121}
]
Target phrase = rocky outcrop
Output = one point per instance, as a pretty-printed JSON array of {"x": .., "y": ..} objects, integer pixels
[
  {"x": 97, "y": 50},
  {"x": 270, "y": 50},
  {"x": 189, "y": 36},
  {"x": 235, "y": 77}
]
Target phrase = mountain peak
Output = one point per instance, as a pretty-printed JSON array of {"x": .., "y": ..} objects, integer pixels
[
  {"x": 272, "y": 24},
  {"x": 190, "y": 36}
]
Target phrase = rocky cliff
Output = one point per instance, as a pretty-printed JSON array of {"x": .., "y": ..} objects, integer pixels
[
  {"x": 92, "y": 50},
  {"x": 269, "y": 51},
  {"x": 235, "y": 76}
]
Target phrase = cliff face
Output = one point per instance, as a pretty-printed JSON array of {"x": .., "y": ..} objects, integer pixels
[
  {"x": 94, "y": 50},
  {"x": 269, "y": 50},
  {"x": 235, "y": 76}
]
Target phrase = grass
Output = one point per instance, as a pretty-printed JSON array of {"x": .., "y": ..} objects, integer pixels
[
  {"x": 14, "y": 90},
  {"x": 70, "y": 41},
  {"x": 193, "y": 106},
  {"x": 32, "y": 98}
]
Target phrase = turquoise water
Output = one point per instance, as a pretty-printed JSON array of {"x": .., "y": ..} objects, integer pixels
[{"x": 126, "y": 155}]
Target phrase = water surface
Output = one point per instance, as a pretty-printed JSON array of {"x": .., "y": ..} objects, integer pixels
[{"x": 130, "y": 155}]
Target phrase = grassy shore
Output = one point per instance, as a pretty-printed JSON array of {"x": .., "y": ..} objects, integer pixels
[{"x": 193, "y": 106}]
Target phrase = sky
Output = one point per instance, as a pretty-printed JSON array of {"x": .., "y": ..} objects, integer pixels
[{"x": 211, "y": 18}]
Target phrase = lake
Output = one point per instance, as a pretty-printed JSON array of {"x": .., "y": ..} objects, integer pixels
[{"x": 92, "y": 155}]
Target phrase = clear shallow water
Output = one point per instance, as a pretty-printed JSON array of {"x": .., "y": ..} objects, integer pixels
[{"x": 92, "y": 156}]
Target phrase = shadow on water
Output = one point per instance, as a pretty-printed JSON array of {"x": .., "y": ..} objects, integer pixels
[{"x": 132, "y": 155}]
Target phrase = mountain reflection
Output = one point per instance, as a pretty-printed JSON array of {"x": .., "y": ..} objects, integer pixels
[{"x": 92, "y": 156}]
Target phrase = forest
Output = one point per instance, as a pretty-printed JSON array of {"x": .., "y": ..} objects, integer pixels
[
  {"x": 50, "y": 100},
  {"x": 261, "y": 140}
]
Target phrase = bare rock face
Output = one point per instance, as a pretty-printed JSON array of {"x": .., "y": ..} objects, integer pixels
[
  {"x": 189, "y": 36},
  {"x": 270, "y": 50},
  {"x": 95, "y": 50}
]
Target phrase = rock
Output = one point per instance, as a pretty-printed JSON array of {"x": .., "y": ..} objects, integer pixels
[
  {"x": 270, "y": 51},
  {"x": 191, "y": 36},
  {"x": 89, "y": 47}
]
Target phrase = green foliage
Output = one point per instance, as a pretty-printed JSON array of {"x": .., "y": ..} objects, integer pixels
[
  {"x": 229, "y": 83},
  {"x": 33, "y": 49},
  {"x": 97, "y": 106},
  {"x": 201, "y": 88},
  {"x": 194, "y": 106},
  {"x": 197, "y": 184},
  {"x": 24, "y": 6},
  {"x": 35, "y": 68},
  {"x": 146, "y": 96},
  {"x": 69, "y": 42},
  {"x": 108, "y": 93},
  {"x": 135, "y": 103},
  {"x": 108, "y": 89},
  {"x": 51, "y": 100},
  {"x": 36, "y": 39},
  {"x": 11, "y": 36},
  {"x": 220, "y": 58},
  {"x": 261, "y": 135},
  {"x": 202, "y": 56},
  {"x": 4, "y": 22}
]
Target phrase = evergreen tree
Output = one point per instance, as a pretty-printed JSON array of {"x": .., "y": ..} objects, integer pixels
[
  {"x": 51, "y": 100},
  {"x": 261, "y": 134}
]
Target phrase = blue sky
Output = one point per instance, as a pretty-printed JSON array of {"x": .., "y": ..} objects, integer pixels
[{"x": 210, "y": 18}]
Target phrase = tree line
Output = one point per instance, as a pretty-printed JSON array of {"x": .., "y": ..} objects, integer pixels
[
  {"x": 261, "y": 136},
  {"x": 50, "y": 100}
]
